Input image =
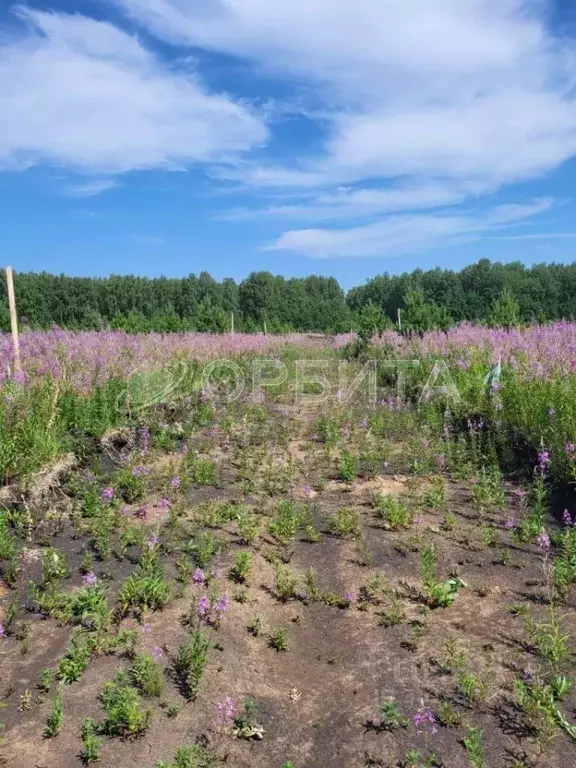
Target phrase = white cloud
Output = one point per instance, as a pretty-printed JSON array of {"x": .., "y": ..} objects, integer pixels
[
  {"x": 462, "y": 96},
  {"x": 425, "y": 104},
  {"x": 83, "y": 94},
  {"x": 400, "y": 235},
  {"x": 359, "y": 45},
  {"x": 357, "y": 203},
  {"x": 91, "y": 187}
]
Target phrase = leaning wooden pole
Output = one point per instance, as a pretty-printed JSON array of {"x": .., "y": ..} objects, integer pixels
[{"x": 13, "y": 318}]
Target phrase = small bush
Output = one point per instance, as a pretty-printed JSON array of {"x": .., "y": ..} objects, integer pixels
[
  {"x": 147, "y": 675},
  {"x": 345, "y": 523},
  {"x": 55, "y": 719},
  {"x": 124, "y": 713},
  {"x": 190, "y": 663}
]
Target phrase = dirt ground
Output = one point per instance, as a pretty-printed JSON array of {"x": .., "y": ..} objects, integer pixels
[{"x": 319, "y": 702}]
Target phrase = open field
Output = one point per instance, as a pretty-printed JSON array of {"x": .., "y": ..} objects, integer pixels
[{"x": 299, "y": 576}]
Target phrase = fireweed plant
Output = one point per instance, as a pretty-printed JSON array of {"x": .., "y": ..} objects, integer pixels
[{"x": 191, "y": 548}]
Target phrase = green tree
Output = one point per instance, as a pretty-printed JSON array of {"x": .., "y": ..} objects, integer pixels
[
  {"x": 420, "y": 316},
  {"x": 371, "y": 322},
  {"x": 505, "y": 312}
]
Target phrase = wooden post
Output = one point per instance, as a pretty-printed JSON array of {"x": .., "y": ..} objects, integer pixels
[
  {"x": 13, "y": 318},
  {"x": 265, "y": 329},
  {"x": 232, "y": 323},
  {"x": 399, "y": 319}
]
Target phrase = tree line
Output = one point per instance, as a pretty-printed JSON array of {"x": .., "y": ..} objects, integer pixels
[{"x": 486, "y": 292}]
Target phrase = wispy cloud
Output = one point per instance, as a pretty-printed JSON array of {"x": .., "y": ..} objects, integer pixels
[
  {"x": 474, "y": 90},
  {"x": 357, "y": 203},
  {"x": 540, "y": 236},
  {"x": 422, "y": 108},
  {"x": 91, "y": 187},
  {"x": 427, "y": 104},
  {"x": 83, "y": 94},
  {"x": 400, "y": 235}
]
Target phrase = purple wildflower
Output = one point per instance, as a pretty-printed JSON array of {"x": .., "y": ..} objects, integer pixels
[
  {"x": 157, "y": 653},
  {"x": 424, "y": 720},
  {"x": 142, "y": 512},
  {"x": 152, "y": 541},
  {"x": 543, "y": 460},
  {"x": 175, "y": 482},
  {"x": 19, "y": 377},
  {"x": 144, "y": 439},
  {"x": 146, "y": 628},
  {"x": 203, "y": 607},
  {"x": 346, "y": 430},
  {"x": 567, "y": 518},
  {"x": 198, "y": 577},
  {"x": 107, "y": 494},
  {"x": 163, "y": 504},
  {"x": 308, "y": 491},
  {"x": 227, "y": 711},
  {"x": 509, "y": 524},
  {"x": 349, "y": 597},
  {"x": 543, "y": 540},
  {"x": 221, "y": 604},
  {"x": 2, "y": 630},
  {"x": 90, "y": 579},
  {"x": 140, "y": 470}
]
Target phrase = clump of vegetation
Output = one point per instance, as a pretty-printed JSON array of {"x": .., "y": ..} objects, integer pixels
[
  {"x": 287, "y": 583},
  {"x": 285, "y": 523},
  {"x": 76, "y": 658},
  {"x": 241, "y": 568},
  {"x": 147, "y": 588},
  {"x": 195, "y": 756},
  {"x": 55, "y": 719},
  {"x": 439, "y": 594},
  {"x": 125, "y": 715},
  {"x": 349, "y": 466},
  {"x": 190, "y": 662},
  {"x": 91, "y": 744},
  {"x": 345, "y": 523},
  {"x": 146, "y": 675},
  {"x": 393, "y": 512},
  {"x": 279, "y": 640}
]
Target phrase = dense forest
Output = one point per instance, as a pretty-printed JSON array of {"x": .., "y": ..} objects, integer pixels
[{"x": 488, "y": 292}]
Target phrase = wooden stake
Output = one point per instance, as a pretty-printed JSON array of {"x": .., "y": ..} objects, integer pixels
[
  {"x": 232, "y": 323},
  {"x": 265, "y": 329},
  {"x": 13, "y": 318},
  {"x": 400, "y": 320}
]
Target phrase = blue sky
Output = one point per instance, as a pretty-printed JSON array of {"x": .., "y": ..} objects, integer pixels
[{"x": 336, "y": 137}]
